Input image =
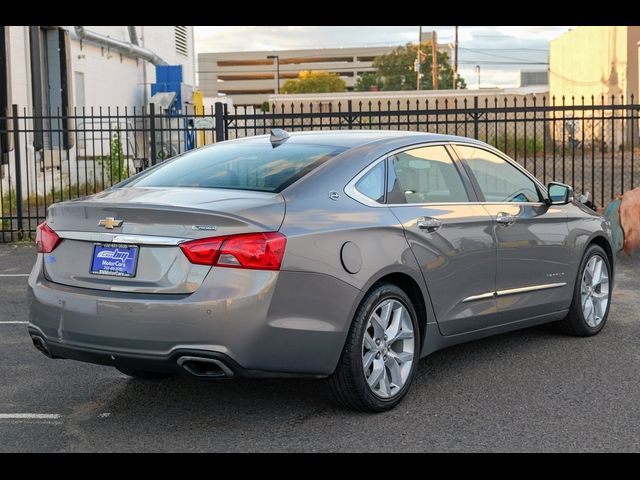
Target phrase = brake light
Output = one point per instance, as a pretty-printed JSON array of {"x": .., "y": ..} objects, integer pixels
[
  {"x": 46, "y": 239},
  {"x": 203, "y": 251},
  {"x": 258, "y": 251}
]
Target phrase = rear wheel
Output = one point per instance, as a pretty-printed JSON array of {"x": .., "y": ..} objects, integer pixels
[
  {"x": 591, "y": 297},
  {"x": 143, "y": 374},
  {"x": 380, "y": 355}
]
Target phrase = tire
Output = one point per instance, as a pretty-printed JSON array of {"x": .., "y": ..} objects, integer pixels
[
  {"x": 349, "y": 384},
  {"x": 143, "y": 374},
  {"x": 579, "y": 322}
]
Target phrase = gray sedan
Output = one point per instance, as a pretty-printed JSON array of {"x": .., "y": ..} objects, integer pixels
[{"x": 340, "y": 254}]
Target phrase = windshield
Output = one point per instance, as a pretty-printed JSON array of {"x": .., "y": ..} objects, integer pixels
[{"x": 242, "y": 166}]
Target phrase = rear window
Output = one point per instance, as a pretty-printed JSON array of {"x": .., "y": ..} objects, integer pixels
[{"x": 240, "y": 166}]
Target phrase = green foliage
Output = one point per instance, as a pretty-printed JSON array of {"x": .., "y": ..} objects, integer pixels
[
  {"x": 9, "y": 198},
  {"x": 369, "y": 81},
  {"x": 56, "y": 194},
  {"x": 115, "y": 163},
  {"x": 310, "y": 81},
  {"x": 395, "y": 70},
  {"x": 265, "y": 106}
]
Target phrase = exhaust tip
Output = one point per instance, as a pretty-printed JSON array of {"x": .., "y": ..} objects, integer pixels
[
  {"x": 41, "y": 346},
  {"x": 205, "y": 367}
]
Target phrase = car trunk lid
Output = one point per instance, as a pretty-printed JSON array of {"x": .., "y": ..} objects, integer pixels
[{"x": 155, "y": 220}]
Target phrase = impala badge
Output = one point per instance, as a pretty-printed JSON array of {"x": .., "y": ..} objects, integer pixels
[
  {"x": 110, "y": 223},
  {"x": 204, "y": 227}
]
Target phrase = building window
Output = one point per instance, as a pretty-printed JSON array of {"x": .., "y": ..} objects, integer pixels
[
  {"x": 78, "y": 80},
  {"x": 181, "y": 41}
]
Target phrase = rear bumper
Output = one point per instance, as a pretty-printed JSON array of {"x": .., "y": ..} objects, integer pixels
[
  {"x": 257, "y": 323},
  {"x": 174, "y": 362}
]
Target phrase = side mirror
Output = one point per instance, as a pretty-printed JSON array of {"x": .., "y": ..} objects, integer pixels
[{"x": 559, "y": 193}]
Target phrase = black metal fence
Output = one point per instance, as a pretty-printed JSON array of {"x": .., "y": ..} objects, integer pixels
[{"x": 590, "y": 144}]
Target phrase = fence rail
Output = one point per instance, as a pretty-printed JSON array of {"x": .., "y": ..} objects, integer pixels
[{"x": 590, "y": 144}]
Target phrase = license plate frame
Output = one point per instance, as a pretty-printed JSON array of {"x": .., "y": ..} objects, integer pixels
[{"x": 123, "y": 265}]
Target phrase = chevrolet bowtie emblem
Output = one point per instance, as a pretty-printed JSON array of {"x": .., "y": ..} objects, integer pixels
[{"x": 109, "y": 223}]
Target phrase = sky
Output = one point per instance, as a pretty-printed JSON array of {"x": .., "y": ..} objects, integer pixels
[{"x": 501, "y": 52}]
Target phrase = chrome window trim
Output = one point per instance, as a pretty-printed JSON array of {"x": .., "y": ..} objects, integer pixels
[
  {"x": 105, "y": 237},
  {"x": 351, "y": 191}
]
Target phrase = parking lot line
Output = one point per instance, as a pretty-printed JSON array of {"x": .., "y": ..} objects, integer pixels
[
  {"x": 29, "y": 416},
  {"x": 14, "y": 274},
  {"x": 13, "y": 322}
]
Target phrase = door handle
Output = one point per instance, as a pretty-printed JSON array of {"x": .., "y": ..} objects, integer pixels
[
  {"x": 429, "y": 224},
  {"x": 505, "y": 219}
]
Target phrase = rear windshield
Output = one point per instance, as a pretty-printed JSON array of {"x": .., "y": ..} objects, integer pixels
[{"x": 240, "y": 166}]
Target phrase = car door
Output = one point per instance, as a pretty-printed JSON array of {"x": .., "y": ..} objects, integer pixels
[
  {"x": 532, "y": 236},
  {"x": 451, "y": 238}
]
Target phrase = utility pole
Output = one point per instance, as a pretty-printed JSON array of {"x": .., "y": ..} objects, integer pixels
[
  {"x": 417, "y": 64},
  {"x": 478, "y": 72},
  {"x": 455, "y": 65},
  {"x": 277, "y": 59},
  {"x": 434, "y": 59}
]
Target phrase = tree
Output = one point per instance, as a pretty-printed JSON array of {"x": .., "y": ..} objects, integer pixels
[
  {"x": 395, "y": 70},
  {"x": 310, "y": 81},
  {"x": 369, "y": 81}
]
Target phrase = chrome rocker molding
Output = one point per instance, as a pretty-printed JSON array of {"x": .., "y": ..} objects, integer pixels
[{"x": 513, "y": 291}]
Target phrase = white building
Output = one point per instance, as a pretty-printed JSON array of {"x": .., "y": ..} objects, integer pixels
[
  {"x": 58, "y": 71},
  {"x": 91, "y": 74}
]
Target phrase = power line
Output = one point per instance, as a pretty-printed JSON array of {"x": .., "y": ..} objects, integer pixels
[
  {"x": 488, "y": 62},
  {"x": 493, "y": 54},
  {"x": 514, "y": 49}
]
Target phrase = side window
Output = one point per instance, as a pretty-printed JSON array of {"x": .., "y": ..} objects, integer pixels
[
  {"x": 424, "y": 175},
  {"x": 498, "y": 179},
  {"x": 372, "y": 184}
]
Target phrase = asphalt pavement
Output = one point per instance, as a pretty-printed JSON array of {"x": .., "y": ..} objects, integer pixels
[{"x": 531, "y": 390}]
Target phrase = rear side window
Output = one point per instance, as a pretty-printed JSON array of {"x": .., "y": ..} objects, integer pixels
[
  {"x": 242, "y": 166},
  {"x": 372, "y": 184},
  {"x": 424, "y": 175}
]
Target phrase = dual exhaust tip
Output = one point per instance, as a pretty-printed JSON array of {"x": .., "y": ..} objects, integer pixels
[{"x": 200, "y": 367}]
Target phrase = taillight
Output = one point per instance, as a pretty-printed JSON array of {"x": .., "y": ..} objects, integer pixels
[
  {"x": 203, "y": 251},
  {"x": 259, "y": 251},
  {"x": 46, "y": 239}
]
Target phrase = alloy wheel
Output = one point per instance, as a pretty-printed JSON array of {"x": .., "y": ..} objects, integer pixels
[
  {"x": 595, "y": 291},
  {"x": 388, "y": 348}
]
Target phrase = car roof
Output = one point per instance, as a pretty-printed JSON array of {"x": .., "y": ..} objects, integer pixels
[{"x": 354, "y": 138}]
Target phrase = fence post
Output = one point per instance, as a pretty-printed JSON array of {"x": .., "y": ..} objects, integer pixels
[
  {"x": 476, "y": 115},
  {"x": 18, "y": 168},
  {"x": 350, "y": 113},
  {"x": 219, "y": 116},
  {"x": 152, "y": 132}
]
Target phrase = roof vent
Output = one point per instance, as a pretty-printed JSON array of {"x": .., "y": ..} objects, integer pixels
[{"x": 278, "y": 136}]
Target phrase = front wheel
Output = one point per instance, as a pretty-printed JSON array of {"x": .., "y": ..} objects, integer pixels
[
  {"x": 380, "y": 355},
  {"x": 591, "y": 297}
]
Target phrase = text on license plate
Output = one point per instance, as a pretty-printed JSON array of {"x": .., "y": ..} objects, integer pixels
[{"x": 114, "y": 259}]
